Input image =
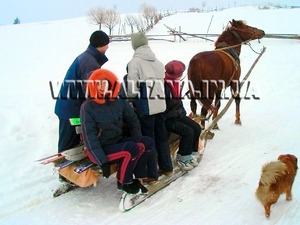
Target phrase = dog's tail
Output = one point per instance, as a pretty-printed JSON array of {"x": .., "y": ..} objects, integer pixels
[{"x": 271, "y": 171}]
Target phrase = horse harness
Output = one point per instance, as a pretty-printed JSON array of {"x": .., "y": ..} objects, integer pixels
[
  {"x": 233, "y": 55},
  {"x": 231, "y": 52}
]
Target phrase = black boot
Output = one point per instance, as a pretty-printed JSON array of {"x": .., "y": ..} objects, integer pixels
[
  {"x": 131, "y": 188},
  {"x": 142, "y": 187}
]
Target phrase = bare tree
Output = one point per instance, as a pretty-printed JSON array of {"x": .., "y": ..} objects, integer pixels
[
  {"x": 140, "y": 24},
  {"x": 112, "y": 19},
  {"x": 157, "y": 18},
  {"x": 149, "y": 13},
  {"x": 97, "y": 16},
  {"x": 130, "y": 20}
]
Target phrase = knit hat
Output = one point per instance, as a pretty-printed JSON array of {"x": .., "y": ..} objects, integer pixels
[
  {"x": 99, "y": 39},
  {"x": 113, "y": 87},
  {"x": 174, "y": 69},
  {"x": 138, "y": 39}
]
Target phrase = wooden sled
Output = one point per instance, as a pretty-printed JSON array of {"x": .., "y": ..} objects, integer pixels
[{"x": 76, "y": 166}]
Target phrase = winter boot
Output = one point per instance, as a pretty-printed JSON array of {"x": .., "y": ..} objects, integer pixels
[
  {"x": 184, "y": 162},
  {"x": 131, "y": 188},
  {"x": 150, "y": 181},
  {"x": 194, "y": 162},
  {"x": 144, "y": 190},
  {"x": 195, "y": 159},
  {"x": 165, "y": 172},
  {"x": 196, "y": 156}
]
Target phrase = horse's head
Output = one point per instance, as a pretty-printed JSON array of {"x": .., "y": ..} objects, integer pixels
[{"x": 245, "y": 32}]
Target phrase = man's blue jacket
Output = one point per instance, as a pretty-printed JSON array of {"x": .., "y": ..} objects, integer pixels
[{"x": 72, "y": 93}]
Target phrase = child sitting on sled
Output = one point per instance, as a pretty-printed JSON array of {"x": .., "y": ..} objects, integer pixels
[
  {"x": 176, "y": 119},
  {"x": 102, "y": 117}
]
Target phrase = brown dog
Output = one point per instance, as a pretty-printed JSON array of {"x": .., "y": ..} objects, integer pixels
[{"x": 276, "y": 178}]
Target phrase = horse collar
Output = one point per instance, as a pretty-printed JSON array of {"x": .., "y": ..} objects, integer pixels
[
  {"x": 230, "y": 50},
  {"x": 234, "y": 54}
]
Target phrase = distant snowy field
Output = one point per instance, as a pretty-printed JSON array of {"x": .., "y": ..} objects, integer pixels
[{"x": 219, "y": 191}]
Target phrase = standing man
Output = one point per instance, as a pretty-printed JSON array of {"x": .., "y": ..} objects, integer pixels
[
  {"x": 72, "y": 92},
  {"x": 146, "y": 87}
]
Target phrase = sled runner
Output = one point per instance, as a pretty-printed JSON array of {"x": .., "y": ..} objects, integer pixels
[{"x": 129, "y": 201}]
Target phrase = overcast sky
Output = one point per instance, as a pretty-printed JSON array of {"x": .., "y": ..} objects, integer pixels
[{"x": 46, "y": 10}]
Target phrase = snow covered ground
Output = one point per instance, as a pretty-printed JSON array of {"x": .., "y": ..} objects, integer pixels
[{"x": 219, "y": 191}]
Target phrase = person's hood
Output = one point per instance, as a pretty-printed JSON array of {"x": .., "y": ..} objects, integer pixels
[
  {"x": 113, "y": 89},
  {"x": 144, "y": 52}
]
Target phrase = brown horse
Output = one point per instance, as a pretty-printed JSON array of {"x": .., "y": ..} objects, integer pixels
[{"x": 212, "y": 71}]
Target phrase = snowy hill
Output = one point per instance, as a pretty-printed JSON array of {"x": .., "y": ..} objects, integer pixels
[
  {"x": 219, "y": 191},
  {"x": 271, "y": 21}
]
